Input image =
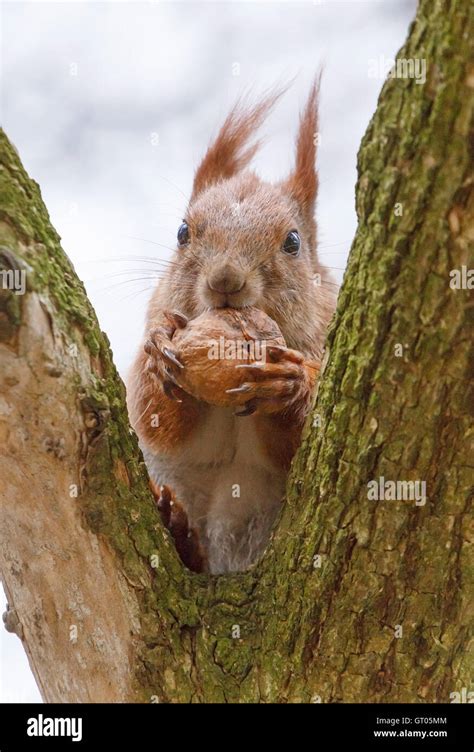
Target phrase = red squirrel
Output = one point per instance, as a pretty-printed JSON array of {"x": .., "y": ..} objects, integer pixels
[{"x": 243, "y": 242}]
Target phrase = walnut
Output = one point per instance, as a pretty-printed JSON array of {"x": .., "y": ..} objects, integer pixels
[{"x": 212, "y": 345}]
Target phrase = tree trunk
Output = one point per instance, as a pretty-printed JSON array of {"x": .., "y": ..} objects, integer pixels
[{"x": 356, "y": 599}]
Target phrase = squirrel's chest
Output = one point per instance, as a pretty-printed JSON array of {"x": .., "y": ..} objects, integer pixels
[
  {"x": 226, "y": 454},
  {"x": 224, "y": 440},
  {"x": 223, "y": 445}
]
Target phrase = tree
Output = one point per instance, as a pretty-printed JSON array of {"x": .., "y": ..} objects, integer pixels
[{"x": 356, "y": 599}]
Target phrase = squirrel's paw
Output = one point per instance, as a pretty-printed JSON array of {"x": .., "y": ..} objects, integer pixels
[
  {"x": 285, "y": 380},
  {"x": 163, "y": 362},
  {"x": 176, "y": 521}
]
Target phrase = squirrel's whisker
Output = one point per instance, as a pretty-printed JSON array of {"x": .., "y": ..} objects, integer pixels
[
  {"x": 173, "y": 185},
  {"x": 152, "y": 242}
]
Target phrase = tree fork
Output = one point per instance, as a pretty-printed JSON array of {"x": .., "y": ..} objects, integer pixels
[{"x": 355, "y": 599}]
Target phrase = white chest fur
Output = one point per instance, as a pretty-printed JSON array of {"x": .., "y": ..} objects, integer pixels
[{"x": 230, "y": 489}]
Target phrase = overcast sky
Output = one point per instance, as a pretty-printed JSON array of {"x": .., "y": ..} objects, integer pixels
[{"x": 111, "y": 105}]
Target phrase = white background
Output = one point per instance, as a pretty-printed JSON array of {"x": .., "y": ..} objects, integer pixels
[{"x": 85, "y": 85}]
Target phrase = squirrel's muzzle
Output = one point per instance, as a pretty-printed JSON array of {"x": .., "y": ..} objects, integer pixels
[{"x": 226, "y": 279}]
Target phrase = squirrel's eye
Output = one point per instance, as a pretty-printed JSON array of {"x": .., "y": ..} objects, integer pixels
[
  {"x": 292, "y": 243},
  {"x": 183, "y": 234}
]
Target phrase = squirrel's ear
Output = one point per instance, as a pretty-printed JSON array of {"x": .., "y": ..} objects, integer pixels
[
  {"x": 302, "y": 184},
  {"x": 229, "y": 153}
]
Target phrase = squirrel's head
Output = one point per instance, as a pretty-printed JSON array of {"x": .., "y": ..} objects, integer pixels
[{"x": 244, "y": 241}]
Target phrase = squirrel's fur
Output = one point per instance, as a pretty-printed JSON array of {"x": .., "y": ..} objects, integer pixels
[{"x": 237, "y": 226}]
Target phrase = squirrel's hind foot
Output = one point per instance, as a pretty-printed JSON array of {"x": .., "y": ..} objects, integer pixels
[{"x": 175, "y": 519}]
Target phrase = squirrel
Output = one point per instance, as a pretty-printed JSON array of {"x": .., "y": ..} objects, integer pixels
[{"x": 242, "y": 242}]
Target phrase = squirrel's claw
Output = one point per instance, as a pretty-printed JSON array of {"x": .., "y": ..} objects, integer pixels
[
  {"x": 237, "y": 389},
  {"x": 177, "y": 319},
  {"x": 171, "y": 391},
  {"x": 164, "y": 362},
  {"x": 169, "y": 354},
  {"x": 276, "y": 354},
  {"x": 249, "y": 409}
]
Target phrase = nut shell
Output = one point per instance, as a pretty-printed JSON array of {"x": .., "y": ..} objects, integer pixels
[{"x": 212, "y": 345}]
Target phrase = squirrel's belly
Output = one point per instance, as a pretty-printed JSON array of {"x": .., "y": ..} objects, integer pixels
[
  {"x": 245, "y": 502},
  {"x": 230, "y": 489}
]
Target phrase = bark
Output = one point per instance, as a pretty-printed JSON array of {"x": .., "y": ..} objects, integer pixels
[{"x": 355, "y": 599}]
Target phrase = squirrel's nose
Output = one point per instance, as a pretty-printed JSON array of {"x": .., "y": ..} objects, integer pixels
[{"x": 226, "y": 279}]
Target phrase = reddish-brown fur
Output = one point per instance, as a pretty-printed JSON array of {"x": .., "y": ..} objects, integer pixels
[{"x": 238, "y": 225}]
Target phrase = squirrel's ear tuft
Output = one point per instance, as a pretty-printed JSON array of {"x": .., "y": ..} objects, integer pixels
[
  {"x": 229, "y": 153},
  {"x": 302, "y": 184}
]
